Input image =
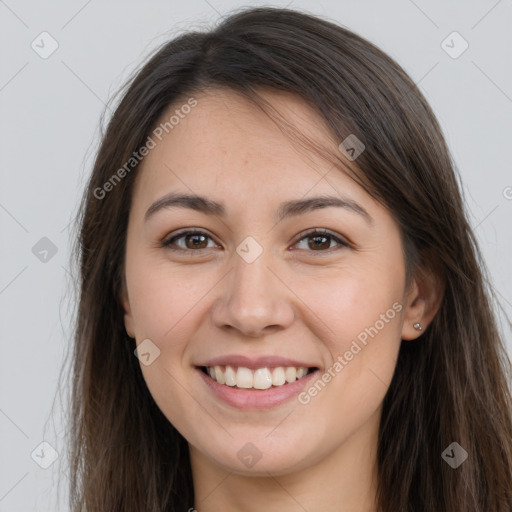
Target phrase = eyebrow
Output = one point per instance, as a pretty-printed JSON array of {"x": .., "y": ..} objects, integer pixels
[{"x": 287, "y": 209}]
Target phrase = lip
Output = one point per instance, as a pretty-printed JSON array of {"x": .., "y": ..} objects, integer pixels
[
  {"x": 256, "y": 399},
  {"x": 257, "y": 362}
]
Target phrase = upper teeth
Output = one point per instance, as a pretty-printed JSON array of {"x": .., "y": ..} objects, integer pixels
[{"x": 261, "y": 378}]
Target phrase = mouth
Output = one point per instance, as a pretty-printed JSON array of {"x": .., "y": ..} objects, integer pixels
[{"x": 265, "y": 378}]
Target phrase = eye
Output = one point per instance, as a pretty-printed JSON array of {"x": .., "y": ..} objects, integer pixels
[
  {"x": 193, "y": 239},
  {"x": 320, "y": 240}
]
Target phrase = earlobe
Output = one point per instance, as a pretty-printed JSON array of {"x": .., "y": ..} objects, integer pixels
[
  {"x": 422, "y": 304},
  {"x": 413, "y": 314}
]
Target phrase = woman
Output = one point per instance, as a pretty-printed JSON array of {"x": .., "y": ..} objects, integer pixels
[{"x": 282, "y": 303}]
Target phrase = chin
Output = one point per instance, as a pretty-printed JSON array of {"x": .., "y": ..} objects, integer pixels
[{"x": 261, "y": 456}]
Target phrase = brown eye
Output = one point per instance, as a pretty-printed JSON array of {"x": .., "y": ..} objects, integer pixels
[
  {"x": 195, "y": 241},
  {"x": 191, "y": 240},
  {"x": 320, "y": 240}
]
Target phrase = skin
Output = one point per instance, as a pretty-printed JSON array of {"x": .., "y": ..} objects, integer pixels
[{"x": 293, "y": 301}]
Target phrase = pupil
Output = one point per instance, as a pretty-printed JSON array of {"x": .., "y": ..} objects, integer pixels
[
  {"x": 194, "y": 238},
  {"x": 316, "y": 238}
]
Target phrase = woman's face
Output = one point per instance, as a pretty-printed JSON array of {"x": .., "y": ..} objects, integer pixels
[{"x": 256, "y": 289}]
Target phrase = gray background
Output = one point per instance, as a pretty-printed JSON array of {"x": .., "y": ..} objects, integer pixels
[{"x": 50, "y": 112}]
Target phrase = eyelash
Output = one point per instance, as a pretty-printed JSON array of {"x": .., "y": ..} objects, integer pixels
[{"x": 304, "y": 235}]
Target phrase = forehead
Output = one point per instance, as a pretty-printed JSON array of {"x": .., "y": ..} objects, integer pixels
[{"x": 227, "y": 147}]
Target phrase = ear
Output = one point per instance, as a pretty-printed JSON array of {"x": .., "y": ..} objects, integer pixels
[
  {"x": 128, "y": 317},
  {"x": 422, "y": 302}
]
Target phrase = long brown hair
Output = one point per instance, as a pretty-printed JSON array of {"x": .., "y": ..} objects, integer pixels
[{"x": 451, "y": 385}]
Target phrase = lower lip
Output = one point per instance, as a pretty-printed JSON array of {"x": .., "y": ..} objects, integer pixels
[{"x": 257, "y": 398}]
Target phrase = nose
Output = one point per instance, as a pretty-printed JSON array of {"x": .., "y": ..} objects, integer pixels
[{"x": 253, "y": 299}]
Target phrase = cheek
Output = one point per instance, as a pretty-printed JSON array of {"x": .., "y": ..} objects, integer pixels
[
  {"x": 163, "y": 299},
  {"x": 348, "y": 301},
  {"x": 359, "y": 315},
  {"x": 165, "y": 305}
]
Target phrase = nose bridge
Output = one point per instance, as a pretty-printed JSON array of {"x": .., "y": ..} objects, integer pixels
[
  {"x": 253, "y": 298},
  {"x": 252, "y": 281}
]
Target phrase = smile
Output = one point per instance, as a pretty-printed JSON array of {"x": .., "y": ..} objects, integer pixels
[{"x": 259, "y": 378}]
